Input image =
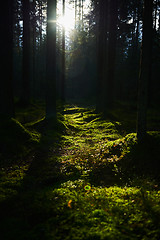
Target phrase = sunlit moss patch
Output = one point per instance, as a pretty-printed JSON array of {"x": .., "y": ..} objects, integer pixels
[{"x": 87, "y": 178}]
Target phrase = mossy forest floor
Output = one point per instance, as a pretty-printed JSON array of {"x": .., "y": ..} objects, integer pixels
[{"x": 81, "y": 177}]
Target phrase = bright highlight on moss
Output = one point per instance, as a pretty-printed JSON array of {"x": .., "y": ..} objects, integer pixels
[{"x": 87, "y": 188}]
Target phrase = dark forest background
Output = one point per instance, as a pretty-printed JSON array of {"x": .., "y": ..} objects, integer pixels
[
  {"x": 80, "y": 120},
  {"x": 100, "y": 63}
]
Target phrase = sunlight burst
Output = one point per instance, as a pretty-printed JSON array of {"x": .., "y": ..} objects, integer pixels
[{"x": 66, "y": 21}]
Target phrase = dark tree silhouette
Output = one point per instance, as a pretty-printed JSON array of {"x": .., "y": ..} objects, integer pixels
[
  {"x": 101, "y": 61},
  {"x": 51, "y": 60},
  {"x": 63, "y": 59},
  {"x": 111, "y": 53},
  {"x": 25, "y": 98},
  {"x": 6, "y": 45},
  {"x": 108, "y": 15},
  {"x": 145, "y": 69}
]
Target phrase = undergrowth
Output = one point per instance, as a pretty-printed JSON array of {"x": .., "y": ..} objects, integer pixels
[{"x": 79, "y": 177}]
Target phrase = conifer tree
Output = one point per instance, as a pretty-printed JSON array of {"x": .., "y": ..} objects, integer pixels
[
  {"x": 51, "y": 60},
  {"x": 6, "y": 44},
  {"x": 145, "y": 69},
  {"x": 25, "y": 98}
]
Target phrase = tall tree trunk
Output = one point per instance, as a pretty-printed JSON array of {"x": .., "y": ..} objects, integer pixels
[
  {"x": 101, "y": 54},
  {"x": 75, "y": 14},
  {"x": 82, "y": 15},
  {"x": 79, "y": 6},
  {"x": 34, "y": 49},
  {"x": 137, "y": 25},
  {"x": 63, "y": 60},
  {"x": 51, "y": 60},
  {"x": 25, "y": 98},
  {"x": 112, "y": 42},
  {"x": 108, "y": 14},
  {"x": 145, "y": 69},
  {"x": 6, "y": 44}
]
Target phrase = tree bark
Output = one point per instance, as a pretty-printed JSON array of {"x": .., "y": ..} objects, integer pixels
[
  {"x": 137, "y": 27},
  {"x": 34, "y": 49},
  {"x": 63, "y": 59},
  {"x": 25, "y": 98},
  {"x": 6, "y": 44},
  {"x": 145, "y": 69},
  {"x": 112, "y": 43},
  {"x": 75, "y": 4},
  {"x": 51, "y": 60},
  {"x": 101, "y": 55},
  {"x": 108, "y": 15}
]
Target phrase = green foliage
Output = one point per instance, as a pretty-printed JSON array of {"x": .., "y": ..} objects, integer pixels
[
  {"x": 85, "y": 179},
  {"x": 74, "y": 212}
]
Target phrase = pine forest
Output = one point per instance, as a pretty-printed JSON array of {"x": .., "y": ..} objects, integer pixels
[{"x": 80, "y": 120}]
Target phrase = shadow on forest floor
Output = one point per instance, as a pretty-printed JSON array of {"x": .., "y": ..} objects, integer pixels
[{"x": 85, "y": 178}]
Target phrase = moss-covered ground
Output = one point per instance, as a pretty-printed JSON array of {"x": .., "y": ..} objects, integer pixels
[{"x": 80, "y": 177}]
